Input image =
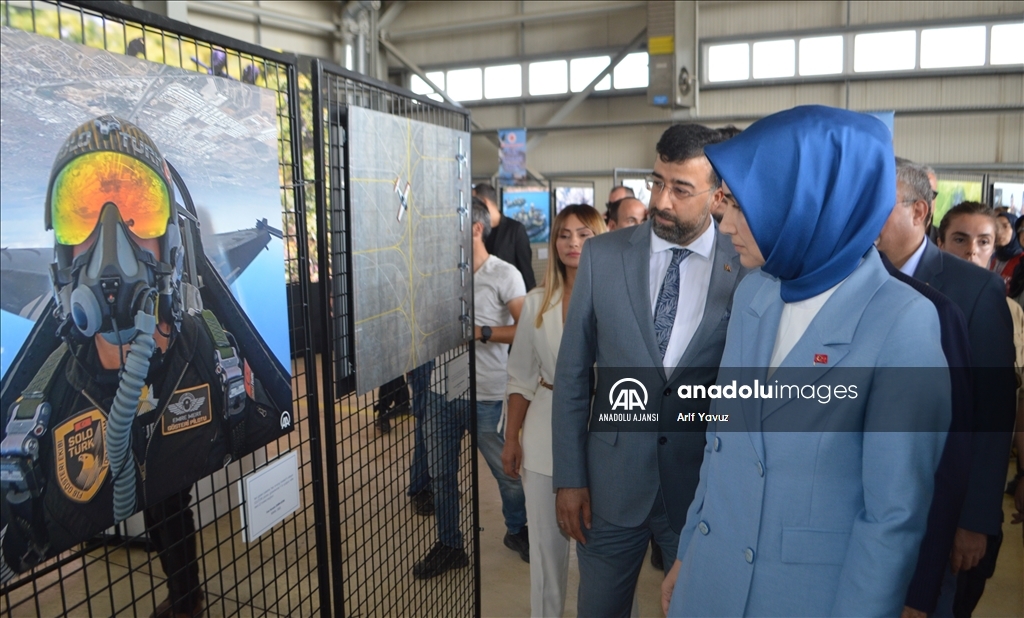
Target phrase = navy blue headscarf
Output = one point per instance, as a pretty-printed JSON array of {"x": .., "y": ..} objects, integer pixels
[
  {"x": 1011, "y": 249},
  {"x": 816, "y": 185}
]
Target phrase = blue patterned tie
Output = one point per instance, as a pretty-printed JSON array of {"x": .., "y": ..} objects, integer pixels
[{"x": 668, "y": 300}]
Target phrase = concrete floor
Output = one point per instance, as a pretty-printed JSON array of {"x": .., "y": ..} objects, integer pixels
[{"x": 506, "y": 578}]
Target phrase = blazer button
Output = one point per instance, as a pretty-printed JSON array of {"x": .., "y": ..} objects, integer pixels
[
  {"x": 760, "y": 468},
  {"x": 703, "y": 527},
  {"x": 748, "y": 555},
  {"x": 662, "y": 440},
  {"x": 718, "y": 443},
  {"x": 668, "y": 392}
]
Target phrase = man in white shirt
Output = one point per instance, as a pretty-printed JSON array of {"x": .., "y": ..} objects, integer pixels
[
  {"x": 498, "y": 294},
  {"x": 651, "y": 303}
]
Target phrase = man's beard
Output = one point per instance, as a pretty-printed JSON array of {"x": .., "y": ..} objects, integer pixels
[{"x": 679, "y": 232}]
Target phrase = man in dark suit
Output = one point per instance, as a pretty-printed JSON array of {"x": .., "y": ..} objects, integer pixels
[
  {"x": 953, "y": 473},
  {"x": 508, "y": 239},
  {"x": 653, "y": 299},
  {"x": 981, "y": 296}
]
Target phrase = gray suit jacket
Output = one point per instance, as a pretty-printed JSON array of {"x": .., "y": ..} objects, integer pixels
[{"x": 610, "y": 322}]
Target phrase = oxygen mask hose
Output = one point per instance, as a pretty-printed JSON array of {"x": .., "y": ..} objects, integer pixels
[{"x": 123, "y": 410}]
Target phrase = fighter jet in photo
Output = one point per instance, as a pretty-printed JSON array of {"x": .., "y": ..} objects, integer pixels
[{"x": 25, "y": 288}]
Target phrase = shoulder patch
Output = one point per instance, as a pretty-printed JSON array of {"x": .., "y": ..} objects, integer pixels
[
  {"x": 80, "y": 455},
  {"x": 187, "y": 408}
]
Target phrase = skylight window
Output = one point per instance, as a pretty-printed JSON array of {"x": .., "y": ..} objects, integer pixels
[
  {"x": 774, "y": 59},
  {"x": 551, "y": 77},
  {"x": 885, "y": 51},
  {"x": 821, "y": 55},
  {"x": 953, "y": 47},
  {"x": 728, "y": 63}
]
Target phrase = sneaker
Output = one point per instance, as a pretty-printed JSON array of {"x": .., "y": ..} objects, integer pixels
[
  {"x": 383, "y": 425},
  {"x": 423, "y": 502},
  {"x": 519, "y": 542},
  {"x": 440, "y": 559}
]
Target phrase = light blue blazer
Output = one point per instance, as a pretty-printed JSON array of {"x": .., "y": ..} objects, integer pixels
[{"x": 824, "y": 522}]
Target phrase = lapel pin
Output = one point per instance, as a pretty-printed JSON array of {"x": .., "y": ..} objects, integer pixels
[
  {"x": 728, "y": 268},
  {"x": 821, "y": 359}
]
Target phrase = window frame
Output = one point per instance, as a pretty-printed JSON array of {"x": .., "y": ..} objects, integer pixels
[{"x": 849, "y": 34}]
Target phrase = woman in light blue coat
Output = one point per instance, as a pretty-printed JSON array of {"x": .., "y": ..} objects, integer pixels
[{"x": 814, "y": 494}]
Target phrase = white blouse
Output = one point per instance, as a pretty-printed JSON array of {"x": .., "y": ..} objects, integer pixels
[{"x": 533, "y": 356}]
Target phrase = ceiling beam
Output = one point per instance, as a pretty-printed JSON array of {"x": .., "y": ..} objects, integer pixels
[
  {"x": 570, "y": 105},
  {"x": 605, "y": 8}
]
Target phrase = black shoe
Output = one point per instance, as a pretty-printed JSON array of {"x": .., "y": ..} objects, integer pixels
[
  {"x": 519, "y": 542},
  {"x": 383, "y": 425},
  {"x": 423, "y": 502},
  {"x": 657, "y": 560},
  {"x": 440, "y": 559}
]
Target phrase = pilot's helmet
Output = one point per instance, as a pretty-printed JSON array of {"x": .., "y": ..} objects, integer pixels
[{"x": 109, "y": 173}]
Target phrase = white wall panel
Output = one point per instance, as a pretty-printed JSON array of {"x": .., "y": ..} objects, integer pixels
[
  {"x": 902, "y": 10},
  {"x": 717, "y": 19}
]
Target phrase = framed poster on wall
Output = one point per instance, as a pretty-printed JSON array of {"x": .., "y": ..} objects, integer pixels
[{"x": 531, "y": 206}]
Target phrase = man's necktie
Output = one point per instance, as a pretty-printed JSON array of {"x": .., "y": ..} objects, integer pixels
[{"x": 668, "y": 300}]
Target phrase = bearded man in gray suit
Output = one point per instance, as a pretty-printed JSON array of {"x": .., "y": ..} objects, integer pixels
[{"x": 653, "y": 300}]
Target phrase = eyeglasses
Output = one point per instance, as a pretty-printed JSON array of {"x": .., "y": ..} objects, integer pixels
[
  {"x": 657, "y": 185},
  {"x": 88, "y": 182},
  {"x": 935, "y": 194}
]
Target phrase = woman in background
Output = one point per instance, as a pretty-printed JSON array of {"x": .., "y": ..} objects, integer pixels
[
  {"x": 531, "y": 376},
  {"x": 1008, "y": 249}
]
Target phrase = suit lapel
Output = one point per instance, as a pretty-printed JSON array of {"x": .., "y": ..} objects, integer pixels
[
  {"x": 636, "y": 263},
  {"x": 757, "y": 324},
  {"x": 832, "y": 329},
  {"x": 929, "y": 268}
]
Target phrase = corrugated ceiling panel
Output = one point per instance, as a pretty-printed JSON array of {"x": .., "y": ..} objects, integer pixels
[
  {"x": 960, "y": 139},
  {"x": 970, "y": 91},
  {"x": 902, "y": 10},
  {"x": 730, "y": 18}
]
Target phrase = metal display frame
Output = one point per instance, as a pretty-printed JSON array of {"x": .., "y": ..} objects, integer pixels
[
  {"x": 284, "y": 571},
  {"x": 369, "y": 577}
]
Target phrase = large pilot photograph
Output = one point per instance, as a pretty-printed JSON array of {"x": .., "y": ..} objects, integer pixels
[{"x": 144, "y": 325}]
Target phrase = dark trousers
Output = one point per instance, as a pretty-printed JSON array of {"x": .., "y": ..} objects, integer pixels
[
  {"x": 172, "y": 528},
  {"x": 419, "y": 473},
  {"x": 970, "y": 585}
]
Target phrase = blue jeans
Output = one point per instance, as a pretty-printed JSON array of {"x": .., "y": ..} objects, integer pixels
[
  {"x": 419, "y": 474},
  {"x": 443, "y": 431}
]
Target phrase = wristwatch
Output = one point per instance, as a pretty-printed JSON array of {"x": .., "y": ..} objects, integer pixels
[{"x": 485, "y": 334}]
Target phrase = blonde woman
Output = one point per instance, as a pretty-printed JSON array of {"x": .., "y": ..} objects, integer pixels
[{"x": 531, "y": 376}]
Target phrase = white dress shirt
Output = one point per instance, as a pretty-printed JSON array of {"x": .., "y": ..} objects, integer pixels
[
  {"x": 694, "y": 281},
  {"x": 796, "y": 317},
  {"x": 915, "y": 258}
]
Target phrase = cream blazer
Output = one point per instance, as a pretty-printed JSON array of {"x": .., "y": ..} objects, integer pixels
[{"x": 533, "y": 356}]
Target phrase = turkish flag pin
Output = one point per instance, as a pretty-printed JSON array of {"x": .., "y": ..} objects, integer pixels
[{"x": 821, "y": 359}]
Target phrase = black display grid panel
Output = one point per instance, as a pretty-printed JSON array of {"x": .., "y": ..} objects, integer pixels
[
  {"x": 284, "y": 571},
  {"x": 376, "y": 535}
]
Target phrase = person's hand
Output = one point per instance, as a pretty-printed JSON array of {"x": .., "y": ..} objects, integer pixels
[
  {"x": 910, "y": 612},
  {"x": 512, "y": 457},
  {"x": 572, "y": 504},
  {"x": 968, "y": 550},
  {"x": 668, "y": 585},
  {"x": 477, "y": 333},
  {"x": 1018, "y": 502}
]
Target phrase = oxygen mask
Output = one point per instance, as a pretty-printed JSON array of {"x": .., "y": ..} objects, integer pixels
[{"x": 112, "y": 280}]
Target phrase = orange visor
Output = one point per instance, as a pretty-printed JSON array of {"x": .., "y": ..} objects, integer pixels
[{"x": 88, "y": 182}]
